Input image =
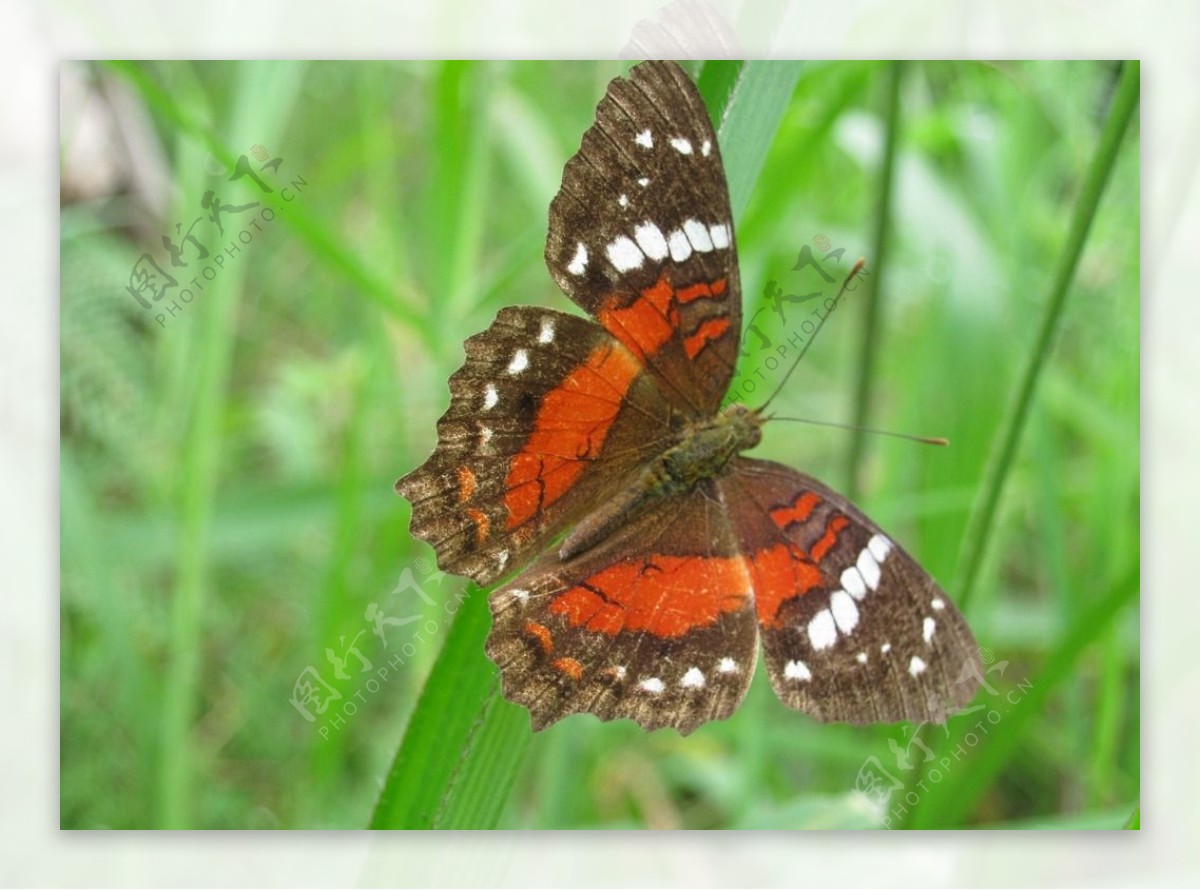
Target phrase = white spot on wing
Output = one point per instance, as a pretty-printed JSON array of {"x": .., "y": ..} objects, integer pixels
[
  {"x": 520, "y": 595},
  {"x": 650, "y": 239},
  {"x": 624, "y": 254},
  {"x": 727, "y": 666},
  {"x": 623, "y": 200},
  {"x": 927, "y": 629},
  {"x": 853, "y": 583},
  {"x": 845, "y": 613},
  {"x": 916, "y": 666},
  {"x": 502, "y": 558},
  {"x": 644, "y": 181},
  {"x": 693, "y": 679},
  {"x": 885, "y": 648},
  {"x": 578, "y": 262},
  {"x": 652, "y": 685},
  {"x": 706, "y": 148},
  {"x": 720, "y": 235},
  {"x": 681, "y": 248},
  {"x": 618, "y": 672},
  {"x": 697, "y": 233},
  {"x": 821, "y": 630},
  {"x": 861, "y": 657},
  {"x": 485, "y": 436},
  {"x": 546, "y": 334},
  {"x": 681, "y": 145},
  {"x": 879, "y": 547},
  {"x": 868, "y": 568},
  {"x": 490, "y": 397},
  {"x": 520, "y": 361},
  {"x": 937, "y": 603},
  {"x": 644, "y": 139},
  {"x": 797, "y": 670}
]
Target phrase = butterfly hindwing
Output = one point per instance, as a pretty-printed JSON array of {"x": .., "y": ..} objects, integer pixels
[
  {"x": 548, "y": 415},
  {"x": 655, "y": 624},
  {"x": 853, "y": 628},
  {"x": 641, "y": 234}
]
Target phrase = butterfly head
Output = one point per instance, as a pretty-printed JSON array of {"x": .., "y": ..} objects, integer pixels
[
  {"x": 707, "y": 449},
  {"x": 744, "y": 425}
]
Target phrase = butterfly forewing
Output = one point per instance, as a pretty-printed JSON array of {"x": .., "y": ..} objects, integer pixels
[
  {"x": 641, "y": 234},
  {"x": 548, "y": 416}
]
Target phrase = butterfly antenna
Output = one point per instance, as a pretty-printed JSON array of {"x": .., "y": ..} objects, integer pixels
[
  {"x": 924, "y": 440},
  {"x": 858, "y": 266}
]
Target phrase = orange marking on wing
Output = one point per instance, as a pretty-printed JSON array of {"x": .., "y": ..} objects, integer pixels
[
  {"x": 569, "y": 430},
  {"x": 568, "y": 666},
  {"x": 483, "y": 525},
  {"x": 466, "y": 484},
  {"x": 646, "y": 323},
  {"x": 798, "y": 511},
  {"x": 705, "y": 334},
  {"x": 667, "y": 598},
  {"x": 541, "y": 633},
  {"x": 780, "y": 573},
  {"x": 651, "y": 320},
  {"x": 828, "y": 539},
  {"x": 703, "y": 289}
]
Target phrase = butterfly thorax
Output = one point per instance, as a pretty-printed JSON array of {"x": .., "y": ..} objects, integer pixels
[{"x": 703, "y": 450}]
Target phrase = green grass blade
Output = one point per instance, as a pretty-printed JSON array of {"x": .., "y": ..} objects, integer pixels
[
  {"x": 948, "y": 803},
  {"x": 481, "y": 788},
  {"x": 1134, "y": 823},
  {"x": 869, "y": 348},
  {"x": 462, "y": 130},
  {"x": 337, "y": 601},
  {"x": 199, "y": 471},
  {"x": 464, "y": 744},
  {"x": 976, "y": 538},
  {"x": 748, "y": 125},
  {"x": 716, "y": 82}
]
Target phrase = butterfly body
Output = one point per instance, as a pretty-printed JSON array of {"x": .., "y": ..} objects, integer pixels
[
  {"x": 704, "y": 450},
  {"x": 677, "y": 554}
]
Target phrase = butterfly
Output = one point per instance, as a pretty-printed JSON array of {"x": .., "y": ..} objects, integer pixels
[{"x": 594, "y": 459}]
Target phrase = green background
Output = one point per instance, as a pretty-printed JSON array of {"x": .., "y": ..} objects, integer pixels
[{"x": 226, "y": 504}]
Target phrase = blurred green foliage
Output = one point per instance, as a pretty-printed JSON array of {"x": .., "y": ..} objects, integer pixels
[{"x": 226, "y": 506}]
